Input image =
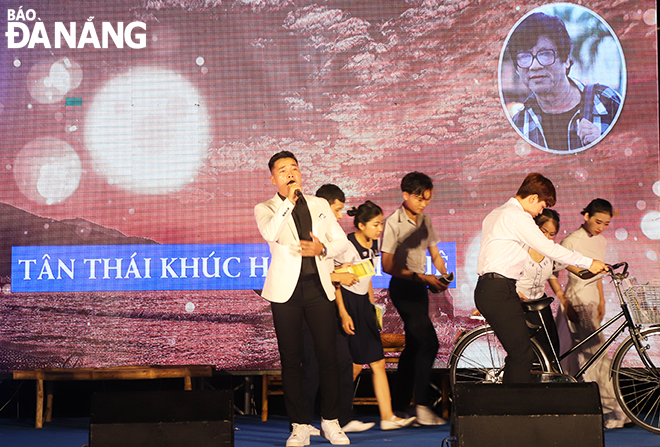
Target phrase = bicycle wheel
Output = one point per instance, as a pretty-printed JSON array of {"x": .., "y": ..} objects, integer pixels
[
  {"x": 479, "y": 357},
  {"x": 636, "y": 379}
]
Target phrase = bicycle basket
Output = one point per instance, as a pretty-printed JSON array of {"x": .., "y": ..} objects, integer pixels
[{"x": 644, "y": 303}]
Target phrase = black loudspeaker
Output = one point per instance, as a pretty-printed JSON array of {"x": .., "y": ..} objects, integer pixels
[
  {"x": 162, "y": 419},
  {"x": 538, "y": 414}
]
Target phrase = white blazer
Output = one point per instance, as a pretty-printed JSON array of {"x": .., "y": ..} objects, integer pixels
[{"x": 278, "y": 228}]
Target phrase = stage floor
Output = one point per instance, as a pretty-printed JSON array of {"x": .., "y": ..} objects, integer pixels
[{"x": 251, "y": 432}]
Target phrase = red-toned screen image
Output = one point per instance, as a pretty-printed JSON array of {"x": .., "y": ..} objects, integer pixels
[{"x": 152, "y": 122}]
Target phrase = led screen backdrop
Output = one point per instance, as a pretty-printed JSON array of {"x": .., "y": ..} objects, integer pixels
[{"x": 135, "y": 137}]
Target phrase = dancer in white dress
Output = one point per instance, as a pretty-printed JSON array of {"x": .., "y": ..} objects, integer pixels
[{"x": 583, "y": 308}]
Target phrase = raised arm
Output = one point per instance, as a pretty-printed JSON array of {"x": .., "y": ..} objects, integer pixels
[
  {"x": 530, "y": 234},
  {"x": 270, "y": 221}
]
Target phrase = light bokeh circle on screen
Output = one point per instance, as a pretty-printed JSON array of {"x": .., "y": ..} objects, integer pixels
[
  {"x": 656, "y": 188},
  {"x": 47, "y": 170},
  {"x": 650, "y": 225},
  {"x": 49, "y": 83},
  {"x": 148, "y": 131}
]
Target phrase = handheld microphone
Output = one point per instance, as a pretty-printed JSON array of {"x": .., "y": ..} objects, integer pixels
[{"x": 298, "y": 193}]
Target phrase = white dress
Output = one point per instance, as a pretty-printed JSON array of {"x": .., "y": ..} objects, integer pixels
[{"x": 585, "y": 297}]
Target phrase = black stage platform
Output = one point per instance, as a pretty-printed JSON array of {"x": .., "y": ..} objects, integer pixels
[{"x": 250, "y": 431}]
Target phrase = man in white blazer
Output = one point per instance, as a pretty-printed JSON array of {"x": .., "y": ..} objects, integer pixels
[{"x": 304, "y": 236}]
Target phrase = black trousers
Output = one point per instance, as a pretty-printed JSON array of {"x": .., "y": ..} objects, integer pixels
[
  {"x": 499, "y": 303},
  {"x": 411, "y": 300},
  {"x": 310, "y": 373},
  {"x": 308, "y": 303}
]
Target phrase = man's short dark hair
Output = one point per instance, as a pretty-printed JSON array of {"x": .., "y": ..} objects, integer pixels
[
  {"x": 416, "y": 183},
  {"x": 535, "y": 25},
  {"x": 535, "y": 183},
  {"x": 279, "y": 156},
  {"x": 331, "y": 193}
]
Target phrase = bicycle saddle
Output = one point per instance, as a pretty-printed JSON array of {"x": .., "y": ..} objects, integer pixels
[{"x": 536, "y": 305}]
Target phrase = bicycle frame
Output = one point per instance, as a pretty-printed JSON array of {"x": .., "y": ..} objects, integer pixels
[
  {"x": 602, "y": 349},
  {"x": 628, "y": 323}
]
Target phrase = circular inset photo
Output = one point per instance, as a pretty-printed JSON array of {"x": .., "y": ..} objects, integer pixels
[{"x": 562, "y": 78}]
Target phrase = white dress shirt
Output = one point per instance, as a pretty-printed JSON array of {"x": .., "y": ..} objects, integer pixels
[{"x": 507, "y": 233}]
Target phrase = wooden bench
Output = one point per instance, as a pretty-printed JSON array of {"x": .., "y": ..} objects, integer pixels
[
  {"x": 41, "y": 375},
  {"x": 271, "y": 386}
]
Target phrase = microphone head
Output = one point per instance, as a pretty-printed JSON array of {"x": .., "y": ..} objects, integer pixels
[{"x": 298, "y": 193}]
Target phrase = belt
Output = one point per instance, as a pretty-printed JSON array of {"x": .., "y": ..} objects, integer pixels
[{"x": 495, "y": 276}]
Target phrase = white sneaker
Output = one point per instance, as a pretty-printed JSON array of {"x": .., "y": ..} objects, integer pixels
[
  {"x": 395, "y": 423},
  {"x": 426, "y": 416},
  {"x": 299, "y": 436},
  {"x": 313, "y": 431},
  {"x": 331, "y": 431},
  {"x": 356, "y": 426}
]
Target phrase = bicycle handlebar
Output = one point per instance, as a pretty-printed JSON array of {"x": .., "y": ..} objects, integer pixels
[
  {"x": 586, "y": 274},
  {"x": 618, "y": 266}
]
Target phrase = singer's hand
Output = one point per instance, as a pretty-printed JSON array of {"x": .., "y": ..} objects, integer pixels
[
  {"x": 311, "y": 248},
  {"x": 292, "y": 187}
]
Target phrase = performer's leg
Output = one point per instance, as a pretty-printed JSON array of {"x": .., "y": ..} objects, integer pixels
[
  {"x": 310, "y": 370},
  {"x": 346, "y": 384},
  {"x": 421, "y": 343},
  {"x": 498, "y": 302},
  {"x": 321, "y": 318},
  {"x": 288, "y": 319}
]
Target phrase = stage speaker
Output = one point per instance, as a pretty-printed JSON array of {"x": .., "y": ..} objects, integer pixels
[
  {"x": 538, "y": 414},
  {"x": 162, "y": 419}
]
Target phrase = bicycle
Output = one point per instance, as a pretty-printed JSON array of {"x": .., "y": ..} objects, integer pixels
[{"x": 479, "y": 357}]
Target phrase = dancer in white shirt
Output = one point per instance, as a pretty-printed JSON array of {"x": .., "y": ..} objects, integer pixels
[
  {"x": 507, "y": 234},
  {"x": 537, "y": 271},
  {"x": 357, "y": 312}
]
